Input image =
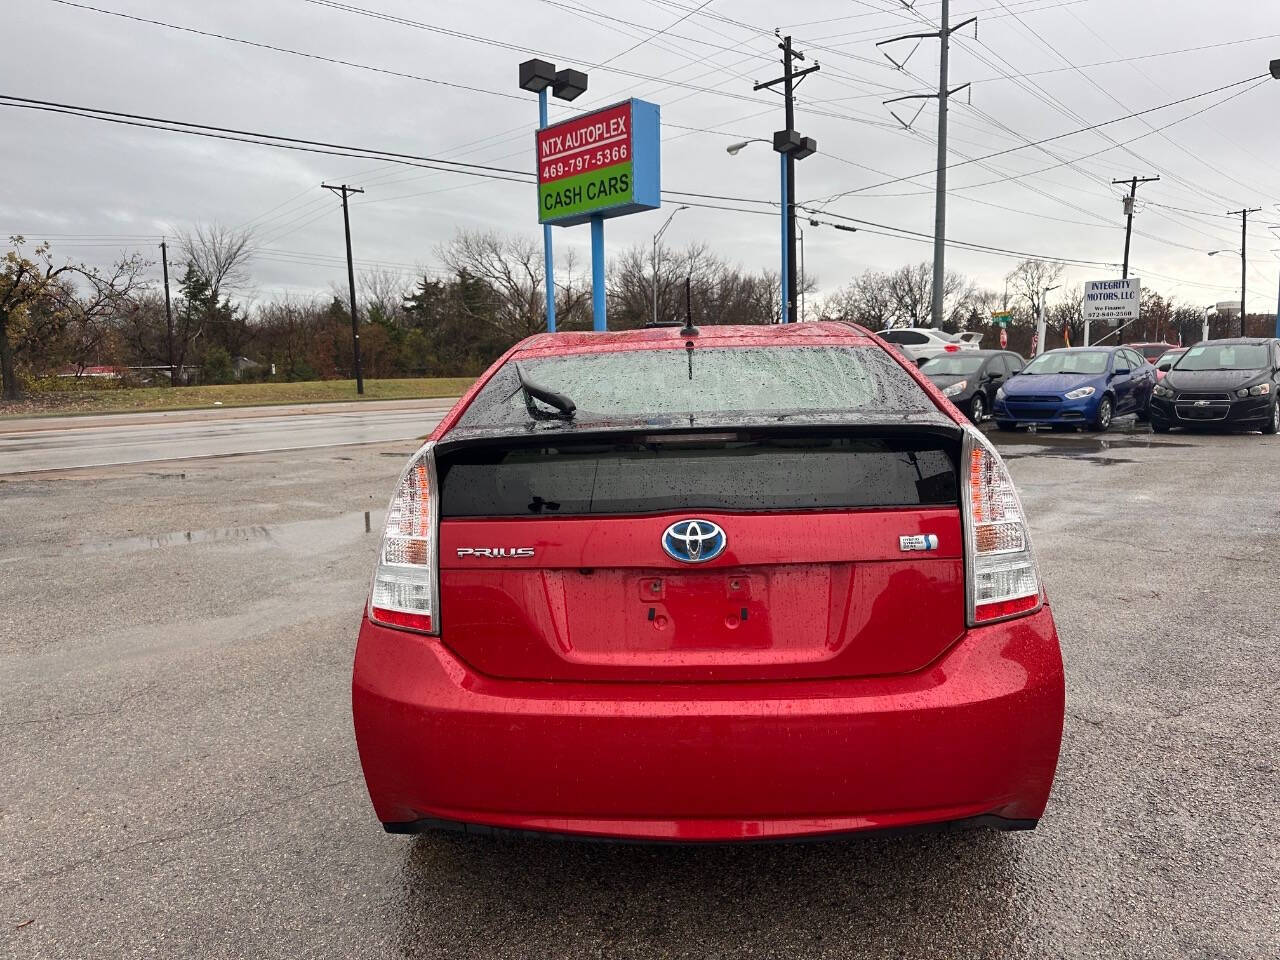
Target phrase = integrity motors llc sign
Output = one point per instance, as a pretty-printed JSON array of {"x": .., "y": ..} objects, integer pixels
[
  {"x": 1110, "y": 300},
  {"x": 601, "y": 164}
]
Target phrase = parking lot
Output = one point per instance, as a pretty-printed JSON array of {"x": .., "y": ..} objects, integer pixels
[{"x": 180, "y": 776}]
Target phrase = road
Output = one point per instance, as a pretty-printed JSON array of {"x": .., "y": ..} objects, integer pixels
[
  {"x": 180, "y": 777},
  {"x": 59, "y": 443}
]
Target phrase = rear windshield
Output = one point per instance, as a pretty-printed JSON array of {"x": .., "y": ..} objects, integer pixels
[
  {"x": 952, "y": 365},
  {"x": 578, "y": 478},
  {"x": 669, "y": 383},
  {"x": 1060, "y": 361},
  {"x": 1153, "y": 350},
  {"x": 1227, "y": 356}
]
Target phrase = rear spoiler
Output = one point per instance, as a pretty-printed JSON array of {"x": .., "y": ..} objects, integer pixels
[
  {"x": 970, "y": 336},
  {"x": 568, "y": 431}
]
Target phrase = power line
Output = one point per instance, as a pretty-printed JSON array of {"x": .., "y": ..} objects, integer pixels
[
  {"x": 287, "y": 50},
  {"x": 276, "y": 140},
  {"x": 1041, "y": 94},
  {"x": 1052, "y": 139},
  {"x": 519, "y": 48},
  {"x": 309, "y": 146},
  {"x": 675, "y": 23}
]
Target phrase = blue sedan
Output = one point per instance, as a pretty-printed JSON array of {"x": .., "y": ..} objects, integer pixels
[{"x": 1077, "y": 386}]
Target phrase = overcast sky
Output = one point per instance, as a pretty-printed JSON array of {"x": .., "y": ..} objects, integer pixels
[{"x": 1038, "y": 70}]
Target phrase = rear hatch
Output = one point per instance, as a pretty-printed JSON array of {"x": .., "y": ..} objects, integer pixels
[{"x": 843, "y": 553}]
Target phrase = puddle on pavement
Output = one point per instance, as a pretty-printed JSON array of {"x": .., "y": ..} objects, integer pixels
[
  {"x": 1075, "y": 446},
  {"x": 157, "y": 541},
  {"x": 1085, "y": 456},
  {"x": 309, "y": 536}
]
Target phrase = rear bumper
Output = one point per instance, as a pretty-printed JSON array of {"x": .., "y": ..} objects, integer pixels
[{"x": 976, "y": 735}]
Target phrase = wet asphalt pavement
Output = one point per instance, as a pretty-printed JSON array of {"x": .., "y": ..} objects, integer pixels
[
  {"x": 179, "y": 777},
  {"x": 59, "y": 443}
]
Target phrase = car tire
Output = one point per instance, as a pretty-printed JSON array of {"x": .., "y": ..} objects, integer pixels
[
  {"x": 977, "y": 409},
  {"x": 1106, "y": 412},
  {"x": 1006, "y": 425},
  {"x": 1273, "y": 425},
  {"x": 1159, "y": 426},
  {"x": 1143, "y": 413}
]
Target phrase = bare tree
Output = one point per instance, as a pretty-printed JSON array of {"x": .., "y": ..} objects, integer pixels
[
  {"x": 39, "y": 303},
  {"x": 1031, "y": 278},
  {"x": 220, "y": 255},
  {"x": 1067, "y": 315},
  {"x": 94, "y": 316},
  {"x": 511, "y": 269},
  {"x": 865, "y": 300},
  {"x": 720, "y": 292},
  {"x": 382, "y": 292},
  {"x": 902, "y": 298}
]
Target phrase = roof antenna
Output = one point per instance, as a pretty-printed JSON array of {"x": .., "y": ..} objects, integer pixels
[{"x": 688, "y": 330}]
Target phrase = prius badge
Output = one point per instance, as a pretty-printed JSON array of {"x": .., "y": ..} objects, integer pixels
[{"x": 924, "y": 541}]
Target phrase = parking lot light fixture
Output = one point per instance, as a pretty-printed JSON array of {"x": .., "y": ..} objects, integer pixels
[
  {"x": 537, "y": 75},
  {"x": 569, "y": 85}
]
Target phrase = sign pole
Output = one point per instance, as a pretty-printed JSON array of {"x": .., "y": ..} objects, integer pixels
[
  {"x": 548, "y": 255},
  {"x": 597, "y": 274},
  {"x": 785, "y": 284},
  {"x": 1086, "y": 331}
]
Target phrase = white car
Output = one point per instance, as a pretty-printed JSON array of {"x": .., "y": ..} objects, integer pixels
[{"x": 925, "y": 343}]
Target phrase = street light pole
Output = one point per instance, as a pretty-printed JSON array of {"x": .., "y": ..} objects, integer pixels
[
  {"x": 784, "y": 277},
  {"x": 657, "y": 237},
  {"x": 802, "y": 273},
  {"x": 1040, "y": 324}
]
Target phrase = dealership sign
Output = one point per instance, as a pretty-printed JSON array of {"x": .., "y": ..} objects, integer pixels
[
  {"x": 602, "y": 164},
  {"x": 1112, "y": 300}
]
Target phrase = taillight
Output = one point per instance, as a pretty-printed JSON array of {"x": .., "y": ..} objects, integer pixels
[
  {"x": 1003, "y": 578},
  {"x": 951, "y": 348},
  {"x": 405, "y": 580}
]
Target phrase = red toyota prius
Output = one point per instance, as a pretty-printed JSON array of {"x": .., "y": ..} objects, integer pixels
[{"x": 735, "y": 583}]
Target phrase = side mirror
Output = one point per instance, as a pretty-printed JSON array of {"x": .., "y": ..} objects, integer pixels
[
  {"x": 1165, "y": 367},
  {"x": 1120, "y": 372}
]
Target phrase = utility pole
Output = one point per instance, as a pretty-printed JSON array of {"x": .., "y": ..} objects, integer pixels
[
  {"x": 344, "y": 191},
  {"x": 1128, "y": 229},
  {"x": 168, "y": 312},
  {"x": 1128, "y": 212},
  {"x": 793, "y": 147},
  {"x": 943, "y": 34},
  {"x": 1244, "y": 263}
]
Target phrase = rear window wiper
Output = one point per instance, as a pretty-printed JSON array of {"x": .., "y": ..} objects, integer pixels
[{"x": 565, "y": 408}]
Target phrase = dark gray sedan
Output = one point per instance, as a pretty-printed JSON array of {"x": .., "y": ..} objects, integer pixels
[{"x": 970, "y": 380}]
